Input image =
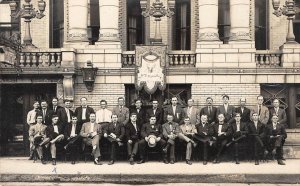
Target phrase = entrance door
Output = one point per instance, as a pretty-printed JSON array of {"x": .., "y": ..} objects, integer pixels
[{"x": 16, "y": 101}]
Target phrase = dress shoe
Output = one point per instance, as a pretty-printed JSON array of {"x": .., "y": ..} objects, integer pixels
[
  {"x": 204, "y": 162},
  {"x": 166, "y": 161},
  {"x": 165, "y": 150},
  {"x": 43, "y": 162},
  {"x": 65, "y": 147},
  {"x": 280, "y": 162},
  {"x": 237, "y": 161},
  {"x": 188, "y": 162},
  {"x": 266, "y": 154},
  {"x": 216, "y": 161},
  {"x": 30, "y": 158},
  {"x": 53, "y": 161},
  {"x": 73, "y": 162},
  {"x": 131, "y": 161},
  {"x": 256, "y": 162},
  {"x": 141, "y": 161},
  {"x": 111, "y": 162},
  {"x": 97, "y": 162},
  {"x": 172, "y": 162}
]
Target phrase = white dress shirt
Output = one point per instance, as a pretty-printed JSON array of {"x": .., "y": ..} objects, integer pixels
[
  {"x": 73, "y": 129},
  {"x": 103, "y": 115},
  {"x": 220, "y": 129},
  {"x": 83, "y": 113},
  {"x": 238, "y": 127},
  {"x": 31, "y": 117},
  {"x": 68, "y": 115},
  {"x": 55, "y": 129},
  {"x": 92, "y": 127}
]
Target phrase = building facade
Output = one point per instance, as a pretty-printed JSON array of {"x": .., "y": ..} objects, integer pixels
[{"x": 210, "y": 48}]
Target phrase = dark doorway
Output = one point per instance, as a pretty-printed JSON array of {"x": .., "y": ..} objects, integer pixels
[{"x": 16, "y": 101}]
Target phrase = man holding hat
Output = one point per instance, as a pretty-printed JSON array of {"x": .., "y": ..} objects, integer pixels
[
  {"x": 152, "y": 134},
  {"x": 188, "y": 130},
  {"x": 226, "y": 109},
  {"x": 170, "y": 132}
]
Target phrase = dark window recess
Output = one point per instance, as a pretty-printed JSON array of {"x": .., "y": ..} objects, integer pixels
[
  {"x": 297, "y": 21},
  {"x": 135, "y": 24},
  {"x": 182, "y": 25},
  {"x": 94, "y": 26},
  {"x": 261, "y": 24},
  {"x": 224, "y": 20},
  {"x": 58, "y": 23}
]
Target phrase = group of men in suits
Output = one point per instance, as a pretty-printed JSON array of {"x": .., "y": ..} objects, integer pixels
[{"x": 138, "y": 129}]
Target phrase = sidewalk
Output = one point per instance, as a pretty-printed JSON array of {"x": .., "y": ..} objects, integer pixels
[{"x": 18, "y": 169}]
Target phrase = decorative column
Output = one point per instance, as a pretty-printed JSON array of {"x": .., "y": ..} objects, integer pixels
[
  {"x": 240, "y": 20},
  {"x": 78, "y": 20},
  {"x": 208, "y": 20},
  {"x": 109, "y": 21}
]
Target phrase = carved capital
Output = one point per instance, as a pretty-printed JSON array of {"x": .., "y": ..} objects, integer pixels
[
  {"x": 76, "y": 36},
  {"x": 238, "y": 36},
  {"x": 208, "y": 36}
]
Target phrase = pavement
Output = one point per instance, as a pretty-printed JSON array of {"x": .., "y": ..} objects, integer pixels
[{"x": 19, "y": 169}]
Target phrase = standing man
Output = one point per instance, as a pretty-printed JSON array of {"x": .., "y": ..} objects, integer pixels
[
  {"x": 244, "y": 111},
  {"x": 73, "y": 138},
  {"x": 226, "y": 109},
  {"x": 121, "y": 111},
  {"x": 209, "y": 110},
  {"x": 103, "y": 116},
  {"x": 276, "y": 110},
  {"x": 192, "y": 112},
  {"x": 91, "y": 134},
  {"x": 141, "y": 113},
  {"x": 256, "y": 130},
  {"x": 221, "y": 133},
  {"x": 202, "y": 136},
  {"x": 187, "y": 133},
  {"x": 151, "y": 133},
  {"x": 239, "y": 131},
  {"x": 54, "y": 135},
  {"x": 55, "y": 106},
  {"x": 262, "y": 111},
  {"x": 133, "y": 137},
  {"x": 115, "y": 133},
  {"x": 65, "y": 114},
  {"x": 31, "y": 120},
  {"x": 171, "y": 130},
  {"x": 156, "y": 111},
  {"x": 83, "y": 112},
  {"x": 46, "y": 113},
  {"x": 175, "y": 110},
  {"x": 37, "y": 133}
]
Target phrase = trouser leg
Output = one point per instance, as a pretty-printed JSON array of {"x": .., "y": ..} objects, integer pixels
[
  {"x": 113, "y": 150},
  {"x": 95, "y": 142},
  {"x": 172, "y": 152},
  {"x": 129, "y": 148},
  {"x": 236, "y": 149},
  {"x": 142, "y": 148},
  {"x": 53, "y": 150},
  {"x": 188, "y": 151}
]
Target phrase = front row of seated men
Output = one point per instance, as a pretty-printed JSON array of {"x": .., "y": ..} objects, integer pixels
[{"x": 217, "y": 136}]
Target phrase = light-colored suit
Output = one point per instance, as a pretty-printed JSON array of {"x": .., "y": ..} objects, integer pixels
[
  {"x": 36, "y": 133},
  {"x": 123, "y": 114},
  {"x": 264, "y": 114},
  {"x": 167, "y": 131},
  {"x": 186, "y": 134},
  {"x": 194, "y": 114},
  {"x": 91, "y": 141}
]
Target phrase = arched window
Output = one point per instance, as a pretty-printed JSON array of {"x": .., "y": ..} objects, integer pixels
[
  {"x": 182, "y": 25},
  {"x": 135, "y": 24},
  {"x": 261, "y": 24}
]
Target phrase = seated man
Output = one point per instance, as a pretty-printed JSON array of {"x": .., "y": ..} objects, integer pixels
[
  {"x": 37, "y": 133},
  {"x": 133, "y": 137},
  {"x": 256, "y": 130},
  {"x": 203, "y": 136},
  {"x": 187, "y": 132},
  {"x": 54, "y": 134},
  {"x": 73, "y": 138},
  {"x": 276, "y": 133},
  {"x": 239, "y": 131},
  {"x": 115, "y": 133},
  {"x": 91, "y": 132},
  {"x": 152, "y": 134},
  {"x": 170, "y": 133},
  {"x": 221, "y": 133}
]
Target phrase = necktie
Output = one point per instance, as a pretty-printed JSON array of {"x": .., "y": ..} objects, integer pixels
[
  {"x": 259, "y": 109},
  {"x": 44, "y": 114},
  {"x": 54, "y": 109},
  {"x": 209, "y": 110},
  {"x": 103, "y": 115}
]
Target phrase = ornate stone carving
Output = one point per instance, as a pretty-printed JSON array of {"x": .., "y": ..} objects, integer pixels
[
  {"x": 208, "y": 36},
  {"x": 77, "y": 36},
  {"x": 240, "y": 36},
  {"x": 68, "y": 87},
  {"x": 109, "y": 36}
]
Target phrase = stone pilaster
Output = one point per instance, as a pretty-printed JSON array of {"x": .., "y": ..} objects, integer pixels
[
  {"x": 208, "y": 20},
  {"x": 240, "y": 20},
  {"x": 77, "y": 18}
]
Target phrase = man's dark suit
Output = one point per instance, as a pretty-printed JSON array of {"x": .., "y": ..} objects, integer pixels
[
  {"x": 134, "y": 136},
  {"x": 245, "y": 115},
  {"x": 78, "y": 113},
  {"x": 63, "y": 117},
  {"x": 141, "y": 116},
  {"x": 159, "y": 113},
  {"x": 203, "y": 137},
  {"x": 177, "y": 116},
  {"x": 56, "y": 109},
  {"x": 74, "y": 142},
  {"x": 212, "y": 116},
  {"x": 276, "y": 143},
  {"x": 238, "y": 136},
  {"x": 258, "y": 136},
  {"x": 229, "y": 114},
  {"x": 282, "y": 119},
  {"x": 119, "y": 131},
  {"x": 47, "y": 118}
]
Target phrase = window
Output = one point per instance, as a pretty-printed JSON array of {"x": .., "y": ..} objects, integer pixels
[
  {"x": 260, "y": 25},
  {"x": 94, "y": 26},
  {"x": 224, "y": 20},
  {"x": 58, "y": 23},
  {"x": 182, "y": 25},
  {"x": 135, "y": 24},
  {"x": 297, "y": 21}
]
